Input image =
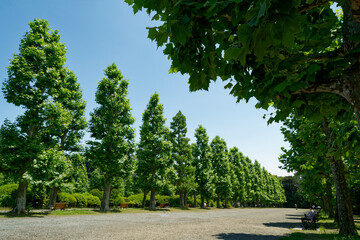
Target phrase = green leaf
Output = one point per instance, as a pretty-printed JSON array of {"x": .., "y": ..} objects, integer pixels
[{"x": 232, "y": 54}]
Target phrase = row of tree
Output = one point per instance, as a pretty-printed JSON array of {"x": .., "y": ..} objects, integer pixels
[{"x": 43, "y": 145}]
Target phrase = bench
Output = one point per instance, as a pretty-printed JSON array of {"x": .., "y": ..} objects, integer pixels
[
  {"x": 59, "y": 205},
  {"x": 311, "y": 223},
  {"x": 164, "y": 205},
  {"x": 124, "y": 205}
]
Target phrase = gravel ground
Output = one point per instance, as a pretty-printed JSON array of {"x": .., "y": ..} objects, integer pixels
[{"x": 226, "y": 224}]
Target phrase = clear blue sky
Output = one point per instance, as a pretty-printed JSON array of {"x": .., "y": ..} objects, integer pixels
[{"x": 98, "y": 33}]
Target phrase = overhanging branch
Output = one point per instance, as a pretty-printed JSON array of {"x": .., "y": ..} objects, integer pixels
[{"x": 315, "y": 4}]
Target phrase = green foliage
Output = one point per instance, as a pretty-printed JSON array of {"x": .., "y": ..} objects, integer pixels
[
  {"x": 68, "y": 198},
  {"x": 7, "y": 195},
  {"x": 162, "y": 199},
  {"x": 221, "y": 167},
  {"x": 138, "y": 198},
  {"x": 110, "y": 126},
  {"x": 154, "y": 150},
  {"x": 80, "y": 199},
  {"x": 91, "y": 200},
  {"x": 202, "y": 163},
  {"x": 96, "y": 192}
]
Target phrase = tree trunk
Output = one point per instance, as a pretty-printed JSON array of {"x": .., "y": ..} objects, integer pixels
[
  {"x": 346, "y": 219},
  {"x": 53, "y": 195},
  {"x": 226, "y": 202},
  {"x": 105, "y": 206},
  {"x": 218, "y": 200},
  {"x": 144, "y": 200},
  {"x": 152, "y": 199},
  {"x": 194, "y": 200},
  {"x": 329, "y": 198},
  {"x": 202, "y": 201},
  {"x": 185, "y": 198},
  {"x": 181, "y": 192},
  {"x": 344, "y": 206},
  {"x": 20, "y": 207}
]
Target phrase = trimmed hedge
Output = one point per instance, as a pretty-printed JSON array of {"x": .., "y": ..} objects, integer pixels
[{"x": 96, "y": 192}]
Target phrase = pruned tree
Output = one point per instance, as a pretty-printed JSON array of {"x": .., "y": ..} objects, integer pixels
[
  {"x": 37, "y": 81},
  {"x": 221, "y": 169},
  {"x": 111, "y": 127},
  {"x": 202, "y": 164},
  {"x": 154, "y": 150},
  {"x": 181, "y": 155}
]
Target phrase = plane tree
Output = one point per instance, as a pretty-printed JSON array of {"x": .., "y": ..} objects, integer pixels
[{"x": 110, "y": 125}]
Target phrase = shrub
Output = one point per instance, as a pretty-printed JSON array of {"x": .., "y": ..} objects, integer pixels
[
  {"x": 68, "y": 198},
  {"x": 8, "y": 195},
  {"x": 174, "y": 201},
  {"x": 191, "y": 201},
  {"x": 37, "y": 196},
  {"x": 96, "y": 192},
  {"x": 92, "y": 201},
  {"x": 162, "y": 199},
  {"x": 81, "y": 200},
  {"x": 116, "y": 200},
  {"x": 138, "y": 198}
]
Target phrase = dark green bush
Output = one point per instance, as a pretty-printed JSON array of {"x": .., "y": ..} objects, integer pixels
[
  {"x": 116, "y": 200},
  {"x": 174, "y": 201},
  {"x": 8, "y": 195},
  {"x": 37, "y": 196}
]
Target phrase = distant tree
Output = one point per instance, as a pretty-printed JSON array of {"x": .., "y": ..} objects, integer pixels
[
  {"x": 221, "y": 169},
  {"x": 181, "y": 154},
  {"x": 239, "y": 183},
  {"x": 38, "y": 82},
  {"x": 111, "y": 127},
  {"x": 154, "y": 150},
  {"x": 202, "y": 164}
]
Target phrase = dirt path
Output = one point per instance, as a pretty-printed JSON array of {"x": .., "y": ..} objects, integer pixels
[{"x": 226, "y": 224}]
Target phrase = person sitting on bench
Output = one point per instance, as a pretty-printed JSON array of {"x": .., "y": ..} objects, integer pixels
[{"x": 309, "y": 216}]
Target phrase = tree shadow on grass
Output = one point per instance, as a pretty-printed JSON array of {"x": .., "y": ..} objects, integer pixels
[
  {"x": 31, "y": 214},
  {"x": 244, "y": 236}
]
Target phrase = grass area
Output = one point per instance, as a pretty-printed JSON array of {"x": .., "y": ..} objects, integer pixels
[
  {"x": 327, "y": 230},
  {"x": 79, "y": 211}
]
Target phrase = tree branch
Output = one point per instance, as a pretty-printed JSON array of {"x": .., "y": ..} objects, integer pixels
[
  {"x": 315, "y": 4},
  {"x": 325, "y": 56}
]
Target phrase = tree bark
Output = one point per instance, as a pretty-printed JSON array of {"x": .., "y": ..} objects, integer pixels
[
  {"x": 218, "y": 201},
  {"x": 329, "y": 198},
  {"x": 202, "y": 201},
  {"x": 20, "y": 207},
  {"x": 185, "y": 198},
  {"x": 53, "y": 196},
  {"x": 152, "y": 199},
  {"x": 346, "y": 219},
  {"x": 226, "y": 202},
  {"x": 344, "y": 206},
  {"x": 181, "y": 193},
  {"x": 105, "y": 206},
  {"x": 144, "y": 200}
]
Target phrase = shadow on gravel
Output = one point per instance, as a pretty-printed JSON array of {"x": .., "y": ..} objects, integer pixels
[
  {"x": 282, "y": 224},
  {"x": 237, "y": 236}
]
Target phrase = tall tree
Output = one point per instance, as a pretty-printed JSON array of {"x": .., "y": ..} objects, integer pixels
[
  {"x": 294, "y": 55},
  {"x": 331, "y": 145},
  {"x": 37, "y": 78},
  {"x": 221, "y": 168},
  {"x": 202, "y": 164},
  {"x": 239, "y": 184},
  {"x": 111, "y": 127},
  {"x": 181, "y": 154},
  {"x": 154, "y": 150}
]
